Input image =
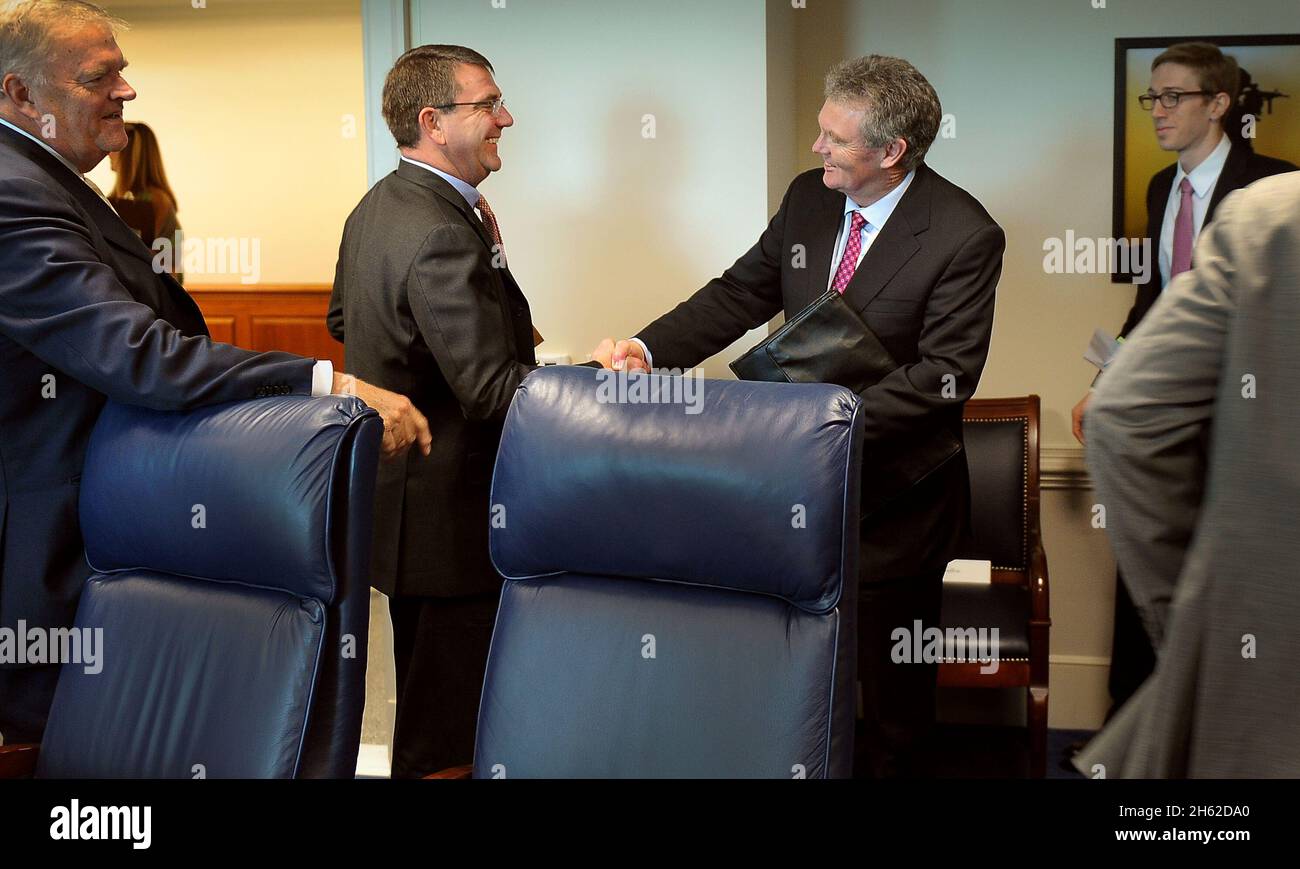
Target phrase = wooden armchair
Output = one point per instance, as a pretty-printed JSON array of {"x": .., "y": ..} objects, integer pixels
[{"x": 1002, "y": 452}]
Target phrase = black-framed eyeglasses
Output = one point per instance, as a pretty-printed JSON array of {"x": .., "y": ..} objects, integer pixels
[
  {"x": 493, "y": 107},
  {"x": 1169, "y": 99}
]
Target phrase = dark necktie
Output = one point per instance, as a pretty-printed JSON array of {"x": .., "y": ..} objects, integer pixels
[{"x": 490, "y": 223}]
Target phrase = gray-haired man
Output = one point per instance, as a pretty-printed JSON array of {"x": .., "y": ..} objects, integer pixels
[
  {"x": 84, "y": 318},
  {"x": 919, "y": 259}
]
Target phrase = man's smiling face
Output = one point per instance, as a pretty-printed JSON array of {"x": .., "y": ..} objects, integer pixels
[
  {"x": 473, "y": 131},
  {"x": 849, "y": 165},
  {"x": 83, "y": 94}
]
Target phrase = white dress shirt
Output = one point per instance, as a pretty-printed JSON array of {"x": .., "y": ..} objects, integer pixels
[
  {"x": 876, "y": 216},
  {"x": 1203, "y": 179},
  {"x": 322, "y": 373}
]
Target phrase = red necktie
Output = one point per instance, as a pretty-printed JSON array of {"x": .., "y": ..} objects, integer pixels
[
  {"x": 490, "y": 223},
  {"x": 852, "y": 247},
  {"x": 1183, "y": 235}
]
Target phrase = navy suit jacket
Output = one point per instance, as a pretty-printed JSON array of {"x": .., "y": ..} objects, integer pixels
[
  {"x": 926, "y": 288},
  {"x": 85, "y": 318}
]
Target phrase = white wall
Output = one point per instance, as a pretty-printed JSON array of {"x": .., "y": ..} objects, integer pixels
[{"x": 607, "y": 229}]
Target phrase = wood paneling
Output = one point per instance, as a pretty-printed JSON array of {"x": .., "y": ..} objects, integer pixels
[
  {"x": 222, "y": 329},
  {"x": 288, "y": 317}
]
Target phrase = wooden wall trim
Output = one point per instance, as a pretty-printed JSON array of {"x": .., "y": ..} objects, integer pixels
[{"x": 253, "y": 289}]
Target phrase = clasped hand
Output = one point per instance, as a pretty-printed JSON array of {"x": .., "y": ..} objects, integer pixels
[{"x": 623, "y": 355}]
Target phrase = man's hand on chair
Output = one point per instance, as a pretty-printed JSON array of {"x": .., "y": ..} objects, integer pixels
[{"x": 404, "y": 425}]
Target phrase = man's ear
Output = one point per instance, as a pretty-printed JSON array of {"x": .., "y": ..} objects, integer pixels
[
  {"x": 430, "y": 122},
  {"x": 1221, "y": 102},
  {"x": 894, "y": 152},
  {"x": 16, "y": 91}
]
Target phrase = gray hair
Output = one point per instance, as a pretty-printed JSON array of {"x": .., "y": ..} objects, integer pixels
[
  {"x": 899, "y": 102},
  {"x": 27, "y": 31},
  {"x": 422, "y": 77}
]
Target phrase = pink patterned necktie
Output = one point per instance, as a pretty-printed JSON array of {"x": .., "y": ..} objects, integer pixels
[
  {"x": 852, "y": 247},
  {"x": 1183, "y": 236},
  {"x": 490, "y": 223}
]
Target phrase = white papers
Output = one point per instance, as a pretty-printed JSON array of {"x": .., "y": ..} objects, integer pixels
[
  {"x": 1101, "y": 349},
  {"x": 967, "y": 570}
]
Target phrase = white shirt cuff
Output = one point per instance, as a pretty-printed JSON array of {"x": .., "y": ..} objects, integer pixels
[
  {"x": 322, "y": 378},
  {"x": 649, "y": 360}
]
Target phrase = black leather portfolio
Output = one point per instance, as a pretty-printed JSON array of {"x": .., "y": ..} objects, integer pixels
[{"x": 827, "y": 342}]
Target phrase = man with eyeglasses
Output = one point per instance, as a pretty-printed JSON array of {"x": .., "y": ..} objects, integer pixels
[
  {"x": 1193, "y": 90},
  {"x": 425, "y": 299}
]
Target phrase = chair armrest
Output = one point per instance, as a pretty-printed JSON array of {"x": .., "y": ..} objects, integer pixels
[
  {"x": 1039, "y": 611},
  {"x": 1040, "y": 621},
  {"x": 18, "y": 761},
  {"x": 457, "y": 772}
]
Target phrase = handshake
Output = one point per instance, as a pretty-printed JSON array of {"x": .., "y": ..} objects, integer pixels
[
  {"x": 405, "y": 426},
  {"x": 624, "y": 355}
]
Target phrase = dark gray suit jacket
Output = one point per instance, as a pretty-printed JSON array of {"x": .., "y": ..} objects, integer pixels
[
  {"x": 84, "y": 317},
  {"x": 426, "y": 313},
  {"x": 925, "y": 287}
]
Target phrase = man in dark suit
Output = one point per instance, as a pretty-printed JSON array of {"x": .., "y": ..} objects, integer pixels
[
  {"x": 428, "y": 306},
  {"x": 919, "y": 259},
  {"x": 1193, "y": 90},
  {"x": 84, "y": 317}
]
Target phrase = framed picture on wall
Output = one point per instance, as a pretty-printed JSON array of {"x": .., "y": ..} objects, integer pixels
[{"x": 1266, "y": 117}]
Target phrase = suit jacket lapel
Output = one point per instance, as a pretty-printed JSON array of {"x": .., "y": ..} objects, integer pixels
[
  {"x": 895, "y": 244},
  {"x": 425, "y": 178},
  {"x": 823, "y": 229},
  {"x": 1156, "y": 211},
  {"x": 109, "y": 221},
  {"x": 1230, "y": 178}
]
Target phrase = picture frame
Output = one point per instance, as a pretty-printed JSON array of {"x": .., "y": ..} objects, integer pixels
[{"x": 1271, "y": 96}]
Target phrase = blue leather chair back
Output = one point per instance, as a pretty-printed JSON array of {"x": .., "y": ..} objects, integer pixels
[
  {"x": 229, "y": 548},
  {"x": 681, "y": 580}
]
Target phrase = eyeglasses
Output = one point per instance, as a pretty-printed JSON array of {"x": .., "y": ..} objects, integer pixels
[
  {"x": 1169, "y": 99},
  {"x": 493, "y": 107}
]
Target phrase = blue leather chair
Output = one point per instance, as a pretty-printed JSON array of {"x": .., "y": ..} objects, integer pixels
[
  {"x": 681, "y": 585},
  {"x": 230, "y": 551}
]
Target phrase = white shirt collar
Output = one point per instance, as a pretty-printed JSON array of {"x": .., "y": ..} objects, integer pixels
[
  {"x": 878, "y": 212},
  {"x": 20, "y": 131},
  {"x": 1204, "y": 176},
  {"x": 468, "y": 191}
]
